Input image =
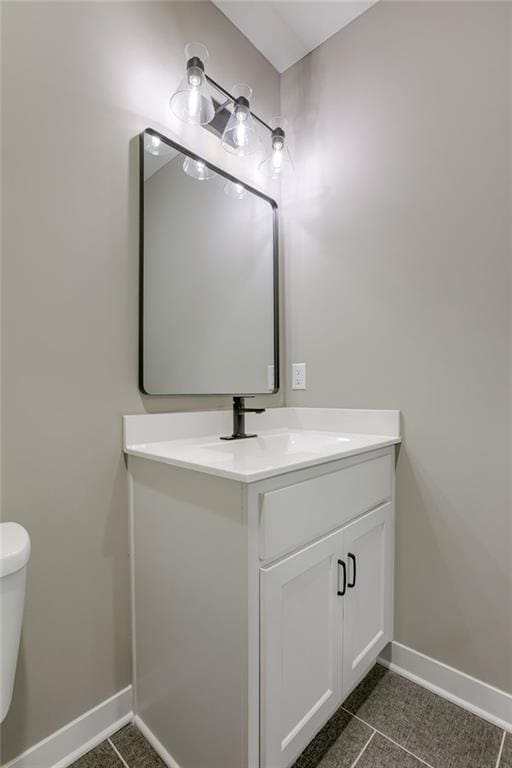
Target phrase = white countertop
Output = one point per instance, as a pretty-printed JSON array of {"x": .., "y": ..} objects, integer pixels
[{"x": 288, "y": 439}]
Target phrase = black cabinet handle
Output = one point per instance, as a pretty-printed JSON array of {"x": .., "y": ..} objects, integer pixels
[
  {"x": 353, "y": 582},
  {"x": 341, "y": 592}
]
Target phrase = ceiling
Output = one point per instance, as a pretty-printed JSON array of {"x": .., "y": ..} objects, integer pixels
[{"x": 285, "y": 30}]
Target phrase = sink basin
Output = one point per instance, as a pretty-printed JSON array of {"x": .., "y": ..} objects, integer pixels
[
  {"x": 281, "y": 444},
  {"x": 271, "y": 453}
]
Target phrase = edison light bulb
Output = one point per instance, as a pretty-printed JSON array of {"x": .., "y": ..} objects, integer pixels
[
  {"x": 240, "y": 136},
  {"x": 194, "y": 77},
  {"x": 194, "y": 104},
  {"x": 192, "y": 101},
  {"x": 277, "y": 160}
]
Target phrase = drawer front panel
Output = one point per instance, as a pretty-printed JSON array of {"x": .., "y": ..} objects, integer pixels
[{"x": 299, "y": 513}]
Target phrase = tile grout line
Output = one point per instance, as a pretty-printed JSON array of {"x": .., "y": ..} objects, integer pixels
[
  {"x": 498, "y": 759},
  {"x": 363, "y": 749},
  {"x": 388, "y": 738},
  {"x": 118, "y": 753}
]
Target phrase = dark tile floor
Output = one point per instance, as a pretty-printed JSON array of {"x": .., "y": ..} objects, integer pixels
[
  {"x": 506, "y": 755},
  {"x": 387, "y": 722},
  {"x": 125, "y": 749}
]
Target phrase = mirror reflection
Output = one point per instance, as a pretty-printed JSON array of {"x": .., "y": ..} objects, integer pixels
[{"x": 208, "y": 278}]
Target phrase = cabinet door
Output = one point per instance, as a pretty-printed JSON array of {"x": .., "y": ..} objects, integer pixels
[
  {"x": 368, "y": 603},
  {"x": 301, "y": 659}
]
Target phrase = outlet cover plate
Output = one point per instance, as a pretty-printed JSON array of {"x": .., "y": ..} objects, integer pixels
[{"x": 298, "y": 375}]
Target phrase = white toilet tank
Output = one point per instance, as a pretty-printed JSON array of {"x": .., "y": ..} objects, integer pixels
[{"x": 14, "y": 555}]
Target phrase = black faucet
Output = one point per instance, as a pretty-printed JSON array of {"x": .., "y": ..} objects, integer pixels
[{"x": 239, "y": 411}]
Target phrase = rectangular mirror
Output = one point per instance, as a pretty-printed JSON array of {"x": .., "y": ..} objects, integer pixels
[{"x": 208, "y": 278}]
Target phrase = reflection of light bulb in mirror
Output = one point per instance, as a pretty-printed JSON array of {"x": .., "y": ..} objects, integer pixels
[
  {"x": 197, "y": 169},
  {"x": 233, "y": 189},
  {"x": 153, "y": 145},
  {"x": 156, "y": 145}
]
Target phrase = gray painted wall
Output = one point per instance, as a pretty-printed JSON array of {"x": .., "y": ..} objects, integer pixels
[
  {"x": 80, "y": 80},
  {"x": 398, "y": 293}
]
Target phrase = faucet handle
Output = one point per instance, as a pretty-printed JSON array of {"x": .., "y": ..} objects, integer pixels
[{"x": 239, "y": 405}]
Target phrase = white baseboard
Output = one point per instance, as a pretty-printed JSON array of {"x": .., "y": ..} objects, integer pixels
[
  {"x": 474, "y": 695},
  {"x": 157, "y": 746},
  {"x": 66, "y": 745}
]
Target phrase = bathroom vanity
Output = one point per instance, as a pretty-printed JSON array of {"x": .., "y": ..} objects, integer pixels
[{"x": 262, "y": 576}]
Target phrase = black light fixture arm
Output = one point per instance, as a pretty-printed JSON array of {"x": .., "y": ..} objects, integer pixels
[{"x": 232, "y": 99}]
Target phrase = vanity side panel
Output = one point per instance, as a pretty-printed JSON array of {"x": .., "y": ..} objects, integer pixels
[{"x": 190, "y": 576}]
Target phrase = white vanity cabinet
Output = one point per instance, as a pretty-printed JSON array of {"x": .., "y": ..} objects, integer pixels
[
  {"x": 326, "y": 612},
  {"x": 257, "y": 605},
  {"x": 301, "y": 659},
  {"x": 368, "y": 550}
]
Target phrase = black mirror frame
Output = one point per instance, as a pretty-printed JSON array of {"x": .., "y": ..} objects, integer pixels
[{"x": 275, "y": 239}]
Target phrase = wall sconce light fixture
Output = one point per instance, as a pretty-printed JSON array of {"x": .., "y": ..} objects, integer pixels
[
  {"x": 240, "y": 136},
  {"x": 237, "y": 126},
  {"x": 279, "y": 161},
  {"x": 192, "y": 101}
]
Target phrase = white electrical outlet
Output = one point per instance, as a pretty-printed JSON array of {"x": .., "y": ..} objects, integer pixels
[
  {"x": 298, "y": 375},
  {"x": 270, "y": 378}
]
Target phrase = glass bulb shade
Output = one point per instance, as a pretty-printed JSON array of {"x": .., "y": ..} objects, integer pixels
[
  {"x": 233, "y": 189},
  {"x": 240, "y": 135},
  {"x": 242, "y": 90},
  {"x": 279, "y": 122},
  {"x": 191, "y": 101},
  {"x": 196, "y": 51},
  {"x": 197, "y": 169},
  {"x": 278, "y": 162}
]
